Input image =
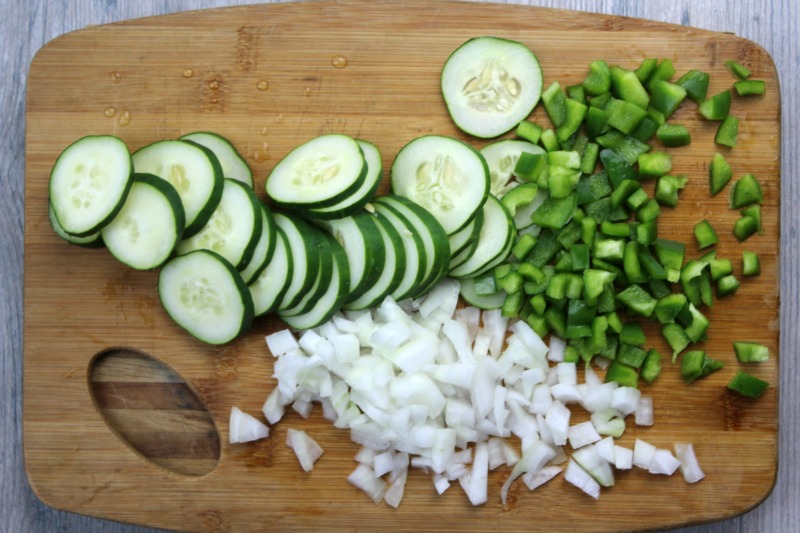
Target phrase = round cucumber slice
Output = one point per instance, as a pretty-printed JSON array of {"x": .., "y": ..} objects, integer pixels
[
  {"x": 192, "y": 169},
  {"x": 494, "y": 244},
  {"x": 89, "y": 183},
  {"x": 355, "y": 202},
  {"x": 233, "y": 164},
  {"x": 502, "y": 157},
  {"x": 319, "y": 173},
  {"x": 490, "y": 85},
  {"x": 235, "y": 226},
  {"x": 263, "y": 250},
  {"x": 147, "y": 228},
  {"x": 204, "y": 294},
  {"x": 447, "y": 177}
]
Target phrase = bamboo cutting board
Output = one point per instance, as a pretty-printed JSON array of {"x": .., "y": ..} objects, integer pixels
[{"x": 268, "y": 78}]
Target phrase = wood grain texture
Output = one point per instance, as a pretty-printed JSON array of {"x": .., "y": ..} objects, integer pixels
[{"x": 27, "y": 514}]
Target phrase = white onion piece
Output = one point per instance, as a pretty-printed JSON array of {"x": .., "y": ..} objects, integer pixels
[
  {"x": 581, "y": 479},
  {"x": 305, "y": 448},
  {"x": 244, "y": 427},
  {"x": 690, "y": 467},
  {"x": 534, "y": 458},
  {"x": 495, "y": 324},
  {"x": 534, "y": 480},
  {"x": 471, "y": 318},
  {"x": 394, "y": 493},
  {"x": 273, "y": 407},
  {"x": 364, "y": 478},
  {"x": 664, "y": 463},
  {"x": 605, "y": 449},
  {"x": 459, "y": 336},
  {"x": 383, "y": 463},
  {"x": 596, "y": 466},
  {"x": 281, "y": 342},
  {"x": 623, "y": 457},
  {"x": 475, "y": 483},
  {"x": 566, "y": 393},
  {"x": 609, "y": 422},
  {"x": 557, "y": 348},
  {"x": 441, "y": 483},
  {"x": 643, "y": 415},
  {"x": 567, "y": 373},
  {"x": 625, "y": 400},
  {"x": 643, "y": 454},
  {"x": 582, "y": 434},
  {"x": 531, "y": 339},
  {"x": 557, "y": 420}
]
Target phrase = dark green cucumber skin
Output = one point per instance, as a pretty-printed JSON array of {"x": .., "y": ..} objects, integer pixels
[
  {"x": 271, "y": 228},
  {"x": 389, "y": 215},
  {"x": 441, "y": 259},
  {"x": 399, "y": 272},
  {"x": 115, "y": 210},
  {"x": 321, "y": 281},
  {"x": 312, "y": 260},
  {"x": 247, "y": 300},
  {"x": 338, "y": 257},
  {"x": 279, "y": 291},
  {"x": 247, "y": 255}
]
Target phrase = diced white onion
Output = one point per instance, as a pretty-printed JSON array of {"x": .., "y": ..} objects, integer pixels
[
  {"x": 557, "y": 348},
  {"x": 623, "y": 457},
  {"x": 581, "y": 479},
  {"x": 305, "y": 448},
  {"x": 582, "y": 434},
  {"x": 643, "y": 454},
  {"x": 534, "y": 480},
  {"x": 364, "y": 478},
  {"x": 664, "y": 463},
  {"x": 690, "y": 467},
  {"x": 244, "y": 427},
  {"x": 281, "y": 342},
  {"x": 643, "y": 415}
]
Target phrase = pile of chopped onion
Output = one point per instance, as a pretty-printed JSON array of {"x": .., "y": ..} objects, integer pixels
[{"x": 423, "y": 384}]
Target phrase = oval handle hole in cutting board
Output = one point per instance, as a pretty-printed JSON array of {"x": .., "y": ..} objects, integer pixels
[{"x": 152, "y": 409}]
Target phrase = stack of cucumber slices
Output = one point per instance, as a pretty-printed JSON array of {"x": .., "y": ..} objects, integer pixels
[{"x": 324, "y": 242}]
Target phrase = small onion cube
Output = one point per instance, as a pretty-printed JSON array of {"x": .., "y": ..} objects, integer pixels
[
  {"x": 244, "y": 427},
  {"x": 625, "y": 399},
  {"x": 664, "y": 463},
  {"x": 305, "y": 448},
  {"x": 623, "y": 458},
  {"x": 534, "y": 480},
  {"x": 605, "y": 449},
  {"x": 643, "y": 416},
  {"x": 581, "y": 479},
  {"x": 690, "y": 467},
  {"x": 557, "y": 348},
  {"x": 441, "y": 483},
  {"x": 582, "y": 434},
  {"x": 281, "y": 342},
  {"x": 364, "y": 478},
  {"x": 643, "y": 454}
]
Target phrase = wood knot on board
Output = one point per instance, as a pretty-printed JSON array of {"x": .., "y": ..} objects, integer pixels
[
  {"x": 213, "y": 522},
  {"x": 246, "y": 39}
]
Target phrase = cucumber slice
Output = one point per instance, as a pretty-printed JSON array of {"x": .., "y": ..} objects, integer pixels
[
  {"x": 355, "y": 202},
  {"x": 204, "y": 294},
  {"x": 233, "y": 164},
  {"x": 304, "y": 250},
  {"x": 467, "y": 236},
  {"x": 321, "y": 282},
  {"x": 148, "y": 227},
  {"x": 235, "y": 226},
  {"x": 494, "y": 244},
  {"x": 502, "y": 157},
  {"x": 434, "y": 239},
  {"x": 89, "y": 183},
  {"x": 414, "y": 252},
  {"x": 447, "y": 177},
  {"x": 392, "y": 271},
  {"x": 363, "y": 245},
  {"x": 331, "y": 300},
  {"x": 269, "y": 287},
  {"x": 263, "y": 250},
  {"x": 481, "y": 301},
  {"x": 490, "y": 85},
  {"x": 319, "y": 173},
  {"x": 93, "y": 240},
  {"x": 192, "y": 169}
]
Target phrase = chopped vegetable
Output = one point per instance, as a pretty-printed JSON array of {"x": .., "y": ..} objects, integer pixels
[
  {"x": 747, "y": 385},
  {"x": 750, "y": 352}
]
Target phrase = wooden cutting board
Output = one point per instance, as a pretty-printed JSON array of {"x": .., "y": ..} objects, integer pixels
[{"x": 269, "y": 77}]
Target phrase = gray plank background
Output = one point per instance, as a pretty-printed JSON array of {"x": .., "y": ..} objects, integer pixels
[{"x": 26, "y": 26}]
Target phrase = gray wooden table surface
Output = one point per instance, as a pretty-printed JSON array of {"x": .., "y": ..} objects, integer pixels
[{"x": 25, "y": 26}]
